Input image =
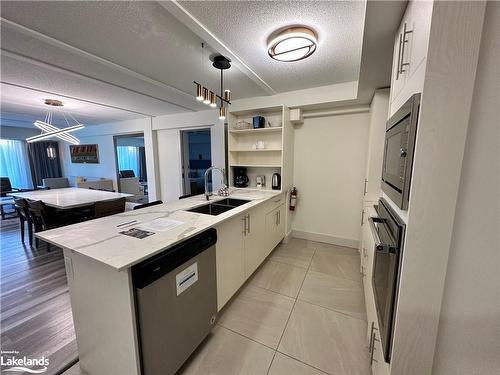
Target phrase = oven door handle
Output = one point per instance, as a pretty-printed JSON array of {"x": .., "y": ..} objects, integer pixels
[{"x": 379, "y": 246}]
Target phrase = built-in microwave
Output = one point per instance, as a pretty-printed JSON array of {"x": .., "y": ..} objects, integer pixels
[{"x": 401, "y": 130}]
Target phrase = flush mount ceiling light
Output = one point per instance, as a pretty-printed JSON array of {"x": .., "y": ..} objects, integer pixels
[
  {"x": 292, "y": 44},
  {"x": 50, "y": 131}
]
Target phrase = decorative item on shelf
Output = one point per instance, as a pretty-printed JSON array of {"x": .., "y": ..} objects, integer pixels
[
  {"x": 292, "y": 44},
  {"x": 259, "y": 122},
  {"x": 223, "y": 191},
  {"x": 259, "y": 145},
  {"x": 242, "y": 125},
  {"x": 50, "y": 131},
  {"x": 209, "y": 97}
]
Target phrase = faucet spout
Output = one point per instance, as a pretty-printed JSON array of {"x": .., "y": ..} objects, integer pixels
[{"x": 207, "y": 192}]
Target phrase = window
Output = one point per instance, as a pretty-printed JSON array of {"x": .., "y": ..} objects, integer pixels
[
  {"x": 128, "y": 158},
  {"x": 14, "y": 163}
]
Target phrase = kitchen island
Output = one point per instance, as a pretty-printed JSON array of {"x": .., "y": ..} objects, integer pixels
[{"x": 99, "y": 256}]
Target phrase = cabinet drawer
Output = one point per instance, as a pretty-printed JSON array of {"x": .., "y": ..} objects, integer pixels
[{"x": 275, "y": 202}]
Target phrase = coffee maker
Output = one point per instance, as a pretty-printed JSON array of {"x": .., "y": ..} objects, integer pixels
[{"x": 240, "y": 177}]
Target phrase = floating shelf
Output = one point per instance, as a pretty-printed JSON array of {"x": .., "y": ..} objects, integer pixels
[{"x": 260, "y": 130}]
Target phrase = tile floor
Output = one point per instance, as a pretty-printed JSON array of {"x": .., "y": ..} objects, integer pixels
[{"x": 302, "y": 312}]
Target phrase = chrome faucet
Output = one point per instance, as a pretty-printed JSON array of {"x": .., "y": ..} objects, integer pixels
[{"x": 207, "y": 193}]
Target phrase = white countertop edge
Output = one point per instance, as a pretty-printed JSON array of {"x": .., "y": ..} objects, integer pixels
[{"x": 188, "y": 203}]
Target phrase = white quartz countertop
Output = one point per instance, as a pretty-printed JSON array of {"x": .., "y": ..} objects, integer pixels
[
  {"x": 100, "y": 239},
  {"x": 69, "y": 197}
]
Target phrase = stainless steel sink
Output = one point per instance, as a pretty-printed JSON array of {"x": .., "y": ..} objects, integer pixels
[{"x": 219, "y": 207}]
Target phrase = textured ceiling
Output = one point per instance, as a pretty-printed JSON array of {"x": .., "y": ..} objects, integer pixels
[
  {"x": 21, "y": 107},
  {"x": 244, "y": 26},
  {"x": 128, "y": 59}
]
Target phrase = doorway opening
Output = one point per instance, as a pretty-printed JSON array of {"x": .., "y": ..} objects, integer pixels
[
  {"x": 196, "y": 151},
  {"x": 131, "y": 172}
]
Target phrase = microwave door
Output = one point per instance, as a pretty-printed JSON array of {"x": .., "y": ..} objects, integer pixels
[{"x": 395, "y": 154}]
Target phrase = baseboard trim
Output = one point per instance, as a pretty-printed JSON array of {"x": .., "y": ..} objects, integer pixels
[{"x": 326, "y": 238}]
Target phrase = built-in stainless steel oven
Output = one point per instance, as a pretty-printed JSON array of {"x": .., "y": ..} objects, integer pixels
[
  {"x": 401, "y": 130},
  {"x": 388, "y": 230}
]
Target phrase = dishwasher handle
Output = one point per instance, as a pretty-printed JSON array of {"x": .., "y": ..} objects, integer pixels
[{"x": 150, "y": 270}]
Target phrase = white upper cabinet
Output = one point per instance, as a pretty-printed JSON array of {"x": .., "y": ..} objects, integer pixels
[{"x": 410, "y": 52}]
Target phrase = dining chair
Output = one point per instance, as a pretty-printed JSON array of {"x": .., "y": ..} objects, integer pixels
[
  {"x": 5, "y": 200},
  {"x": 43, "y": 218},
  {"x": 107, "y": 208},
  {"x": 22, "y": 209},
  {"x": 139, "y": 206}
]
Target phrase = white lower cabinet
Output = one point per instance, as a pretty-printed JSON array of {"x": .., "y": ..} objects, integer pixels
[
  {"x": 275, "y": 227},
  {"x": 255, "y": 239},
  {"x": 230, "y": 255},
  {"x": 243, "y": 243}
]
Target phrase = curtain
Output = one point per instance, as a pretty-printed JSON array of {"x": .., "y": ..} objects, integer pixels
[
  {"x": 143, "y": 175},
  {"x": 41, "y": 165},
  {"x": 14, "y": 163},
  {"x": 128, "y": 158}
]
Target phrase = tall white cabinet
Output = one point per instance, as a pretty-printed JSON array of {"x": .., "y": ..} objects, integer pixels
[{"x": 410, "y": 53}]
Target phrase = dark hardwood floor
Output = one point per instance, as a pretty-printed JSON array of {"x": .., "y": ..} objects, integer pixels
[{"x": 35, "y": 308}]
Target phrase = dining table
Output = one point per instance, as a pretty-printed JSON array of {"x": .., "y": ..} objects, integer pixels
[{"x": 67, "y": 198}]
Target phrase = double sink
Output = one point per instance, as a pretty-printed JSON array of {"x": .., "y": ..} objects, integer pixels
[{"x": 218, "y": 207}]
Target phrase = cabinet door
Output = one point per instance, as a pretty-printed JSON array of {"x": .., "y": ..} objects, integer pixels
[
  {"x": 397, "y": 80},
  {"x": 255, "y": 240},
  {"x": 230, "y": 259},
  {"x": 279, "y": 233},
  {"x": 419, "y": 22}
]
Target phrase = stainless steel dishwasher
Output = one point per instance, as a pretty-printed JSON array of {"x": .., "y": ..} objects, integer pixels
[{"x": 176, "y": 302}]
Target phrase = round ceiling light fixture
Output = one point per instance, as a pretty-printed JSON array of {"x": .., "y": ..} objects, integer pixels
[{"x": 292, "y": 44}]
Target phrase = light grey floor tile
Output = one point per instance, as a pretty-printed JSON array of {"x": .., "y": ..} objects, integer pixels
[
  {"x": 296, "y": 253},
  {"x": 336, "y": 293},
  {"x": 333, "y": 248},
  {"x": 327, "y": 340},
  {"x": 74, "y": 370},
  {"x": 283, "y": 365},
  {"x": 258, "y": 314},
  {"x": 279, "y": 277},
  {"x": 336, "y": 264},
  {"x": 227, "y": 353}
]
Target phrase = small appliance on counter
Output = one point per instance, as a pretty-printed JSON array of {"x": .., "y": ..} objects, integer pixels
[
  {"x": 260, "y": 181},
  {"x": 276, "y": 181},
  {"x": 240, "y": 177},
  {"x": 259, "y": 122}
]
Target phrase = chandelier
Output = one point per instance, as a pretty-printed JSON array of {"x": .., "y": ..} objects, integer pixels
[
  {"x": 50, "y": 131},
  {"x": 209, "y": 97}
]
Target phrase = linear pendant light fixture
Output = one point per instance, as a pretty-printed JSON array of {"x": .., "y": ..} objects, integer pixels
[
  {"x": 209, "y": 97},
  {"x": 50, "y": 131}
]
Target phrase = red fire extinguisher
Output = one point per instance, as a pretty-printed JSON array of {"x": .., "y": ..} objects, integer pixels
[{"x": 293, "y": 198}]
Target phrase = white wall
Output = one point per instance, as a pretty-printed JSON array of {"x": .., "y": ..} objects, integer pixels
[
  {"x": 17, "y": 133},
  {"x": 468, "y": 339},
  {"x": 168, "y": 130},
  {"x": 102, "y": 135},
  {"x": 329, "y": 171}
]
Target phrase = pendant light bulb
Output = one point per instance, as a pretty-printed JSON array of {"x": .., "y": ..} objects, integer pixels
[
  {"x": 222, "y": 113},
  {"x": 206, "y": 99},
  {"x": 199, "y": 92},
  {"x": 227, "y": 95},
  {"x": 213, "y": 103}
]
